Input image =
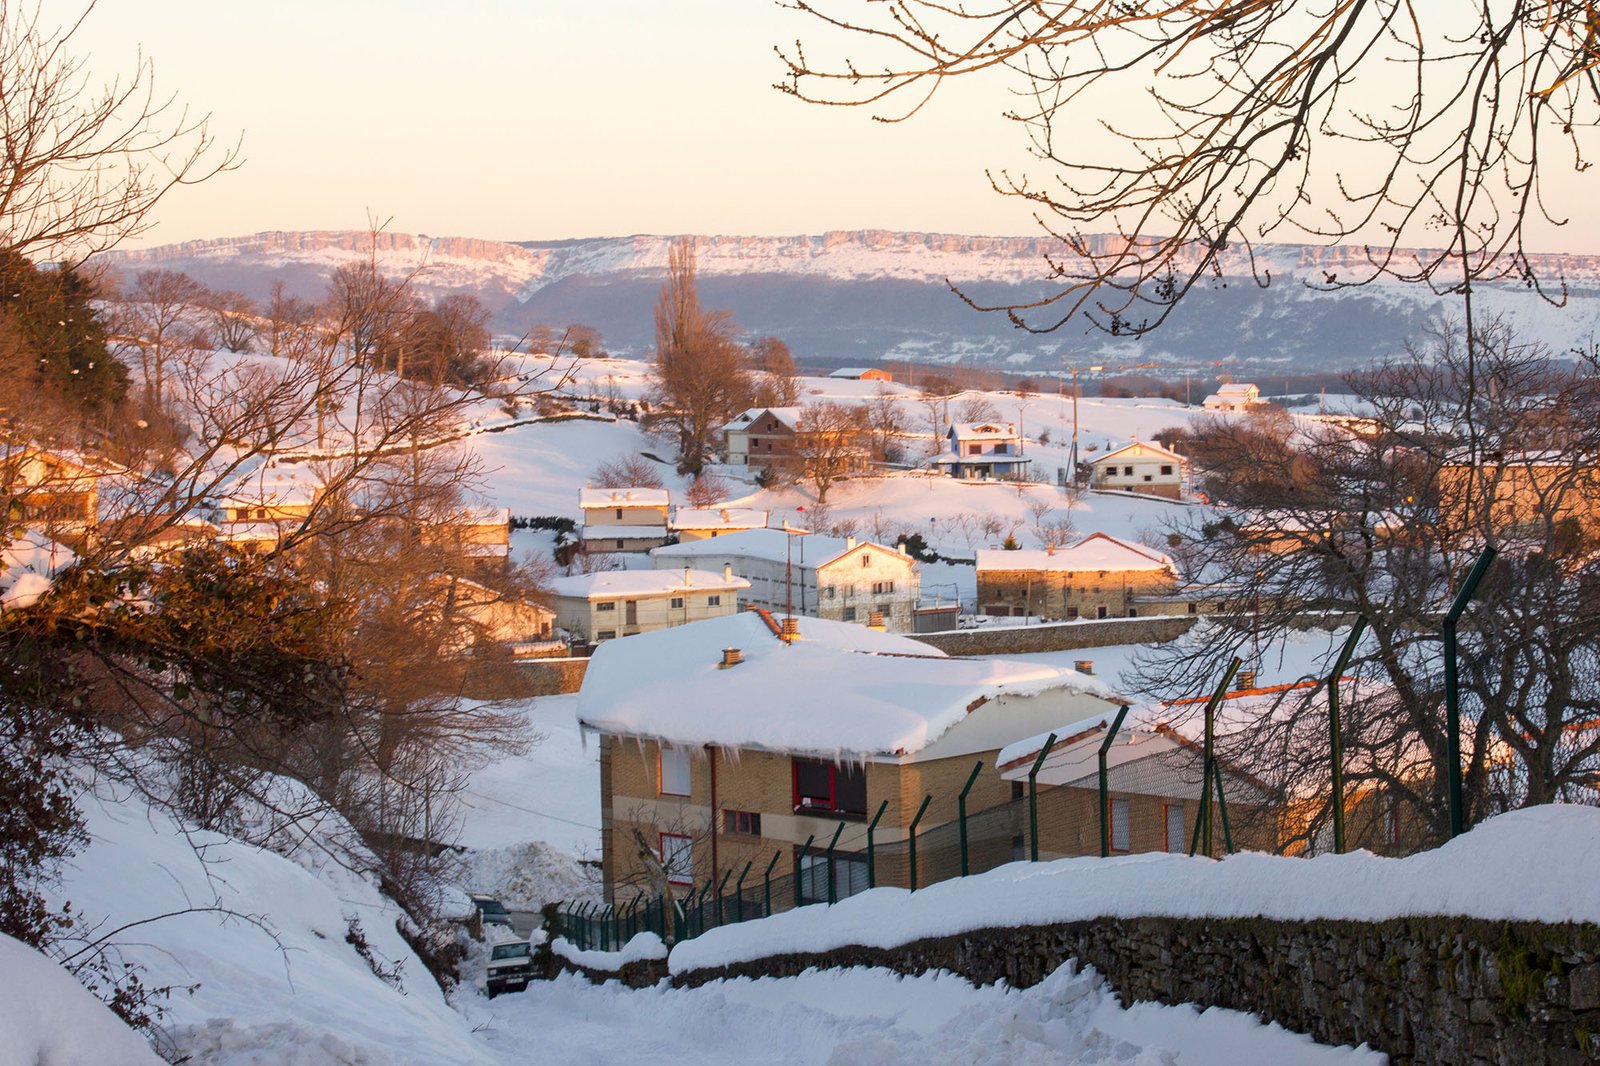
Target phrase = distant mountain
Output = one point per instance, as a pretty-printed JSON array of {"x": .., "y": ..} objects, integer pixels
[{"x": 867, "y": 295}]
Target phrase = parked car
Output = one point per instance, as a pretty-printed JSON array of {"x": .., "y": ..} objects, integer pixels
[
  {"x": 492, "y": 910},
  {"x": 510, "y": 967}
]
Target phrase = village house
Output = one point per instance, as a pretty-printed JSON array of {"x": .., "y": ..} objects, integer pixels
[
  {"x": 1144, "y": 467},
  {"x": 722, "y": 745},
  {"x": 475, "y": 613},
  {"x": 861, "y": 373},
  {"x": 151, "y": 536},
  {"x": 477, "y": 539},
  {"x": 1526, "y": 490},
  {"x": 624, "y": 520},
  {"x": 703, "y": 523},
  {"x": 621, "y": 603},
  {"x": 778, "y": 438},
  {"x": 1153, "y": 790},
  {"x": 824, "y": 577},
  {"x": 1235, "y": 396},
  {"x": 1098, "y": 577},
  {"x": 259, "y": 508},
  {"x": 53, "y": 492},
  {"x": 983, "y": 451}
]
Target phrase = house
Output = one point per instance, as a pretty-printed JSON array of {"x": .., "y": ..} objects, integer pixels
[
  {"x": 624, "y": 520},
  {"x": 475, "y": 612},
  {"x": 1153, "y": 790},
  {"x": 620, "y": 603},
  {"x": 1144, "y": 467},
  {"x": 725, "y": 747},
  {"x": 478, "y": 539},
  {"x": 981, "y": 451},
  {"x": 793, "y": 571},
  {"x": 151, "y": 536},
  {"x": 703, "y": 523},
  {"x": 259, "y": 508},
  {"x": 861, "y": 373},
  {"x": 765, "y": 438},
  {"x": 1236, "y": 396},
  {"x": 54, "y": 492},
  {"x": 1524, "y": 490},
  {"x": 1098, "y": 577}
]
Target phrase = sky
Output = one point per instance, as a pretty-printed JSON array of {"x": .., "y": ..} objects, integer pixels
[{"x": 550, "y": 119}]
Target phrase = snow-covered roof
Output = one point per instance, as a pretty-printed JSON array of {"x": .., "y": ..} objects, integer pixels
[
  {"x": 1144, "y": 448},
  {"x": 730, "y": 518},
  {"x": 638, "y": 497},
  {"x": 841, "y": 689},
  {"x": 271, "y": 485},
  {"x": 28, "y": 566},
  {"x": 1238, "y": 390},
  {"x": 853, "y": 373},
  {"x": 983, "y": 431},
  {"x": 772, "y": 545},
  {"x": 1097, "y": 551},
  {"x": 607, "y": 584},
  {"x": 788, "y": 416}
]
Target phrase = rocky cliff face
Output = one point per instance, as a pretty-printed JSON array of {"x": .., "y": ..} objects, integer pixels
[{"x": 873, "y": 294}]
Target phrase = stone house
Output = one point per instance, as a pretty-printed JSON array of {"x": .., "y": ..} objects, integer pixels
[
  {"x": 1098, "y": 577},
  {"x": 768, "y": 438},
  {"x": 703, "y": 523},
  {"x": 621, "y": 603},
  {"x": 1144, "y": 467},
  {"x": 983, "y": 451},
  {"x": 475, "y": 612},
  {"x": 836, "y": 578},
  {"x": 52, "y": 492},
  {"x": 624, "y": 520},
  {"x": 723, "y": 745}
]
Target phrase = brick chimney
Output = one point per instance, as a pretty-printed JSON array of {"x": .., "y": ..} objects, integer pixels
[
  {"x": 731, "y": 657},
  {"x": 1084, "y": 666},
  {"x": 791, "y": 630},
  {"x": 1247, "y": 680}
]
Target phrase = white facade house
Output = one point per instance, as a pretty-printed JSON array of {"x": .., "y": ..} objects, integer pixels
[
  {"x": 702, "y": 523},
  {"x": 979, "y": 451},
  {"x": 1144, "y": 467},
  {"x": 823, "y": 577},
  {"x": 1235, "y": 396},
  {"x": 620, "y": 603},
  {"x": 624, "y": 520}
]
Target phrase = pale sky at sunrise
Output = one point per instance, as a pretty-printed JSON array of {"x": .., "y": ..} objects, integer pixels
[{"x": 539, "y": 119}]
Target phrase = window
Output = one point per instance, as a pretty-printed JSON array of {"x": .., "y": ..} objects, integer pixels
[
  {"x": 677, "y": 858},
  {"x": 606, "y": 634},
  {"x": 619, "y": 545},
  {"x": 825, "y": 787},
  {"x": 1119, "y": 825},
  {"x": 1193, "y": 609},
  {"x": 675, "y": 772},
  {"x": 866, "y": 561},
  {"x": 676, "y": 603},
  {"x": 849, "y": 876},
  {"x": 747, "y": 823},
  {"x": 1127, "y": 472},
  {"x": 619, "y": 512},
  {"x": 849, "y": 614},
  {"x": 1072, "y": 612},
  {"x": 1100, "y": 612},
  {"x": 606, "y": 605},
  {"x": 713, "y": 601},
  {"x": 1174, "y": 816},
  {"x": 1166, "y": 468},
  {"x": 881, "y": 587},
  {"x": 830, "y": 591}
]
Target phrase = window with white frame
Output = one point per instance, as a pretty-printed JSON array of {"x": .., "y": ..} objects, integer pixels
[
  {"x": 677, "y": 858},
  {"x": 1119, "y": 825},
  {"x": 713, "y": 601},
  {"x": 677, "y": 603},
  {"x": 1175, "y": 842},
  {"x": 675, "y": 772}
]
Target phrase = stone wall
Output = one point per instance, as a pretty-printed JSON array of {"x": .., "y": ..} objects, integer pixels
[
  {"x": 1059, "y": 636},
  {"x": 1423, "y": 990},
  {"x": 553, "y": 677}
]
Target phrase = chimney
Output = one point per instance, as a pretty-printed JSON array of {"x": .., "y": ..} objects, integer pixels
[
  {"x": 1247, "y": 680},
  {"x": 875, "y": 621},
  {"x": 849, "y": 542},
  {"x": 724, "y": 514},
  {"x": 730, "y": 657},
  {"x": 1049, "y": 549},
  {"x": 902, "y": 547},
  {"x": 1084, "y": 666},
  {"x": 727, "y": 571},
  {"x": 791, "y": 630},
  {"x": 628, "y": 495},
  {"x": 686, "y": 573}
]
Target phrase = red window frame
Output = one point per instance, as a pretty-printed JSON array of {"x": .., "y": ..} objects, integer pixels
[
  {"x": 661, "y": 853},
  {"x": 832, "y": 808}
]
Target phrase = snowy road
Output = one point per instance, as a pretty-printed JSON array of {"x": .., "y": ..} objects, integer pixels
[{"x": 865, "y": 1017}]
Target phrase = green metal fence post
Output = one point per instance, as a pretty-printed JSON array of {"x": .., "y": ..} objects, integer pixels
[
  {"x": 722, "y": 887},
  {"x": 1222, "y": 809},
  {"x": 766, "y": 881},
  {"x": 961, "y": 812},
  {"x": 1105, "y": 801},
  {"x": 829, "y": 853},
  {"x": 1033, "y": 799},
  {"x": 1202, "y": 825},
  {"x": 1336, "y": 730},
  {"x": 872, "y": 855},
  {"x": 911, "y": 838},
  {"x": 738, "y": 888},
  {"x": 1452, "y": 690},
  {"x": 799, "y": 866},
  {"x": 583, "y": 925}
]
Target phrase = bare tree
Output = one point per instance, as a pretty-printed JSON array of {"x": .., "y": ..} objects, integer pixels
[
  {"x": 707, "y": 490},
  {"x": 829, "y": 443},
  {"x": 775, "y": 373},
  {"x": 976, "y": 408},
  {"x": 160, "y": 321},
  {"x": 626, "y": 471},
  {"x": 234, "y": 320},
  {"x": 85, "y": 165},
  {"x": 286, "y": 315},
  {"x": 886, "y": 423},
  {"x": 698, "y": 379},
  {"x": 1237, "y": 125}
]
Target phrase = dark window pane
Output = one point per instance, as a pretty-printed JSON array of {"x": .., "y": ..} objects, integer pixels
[{"x": 850, "y": 790}]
